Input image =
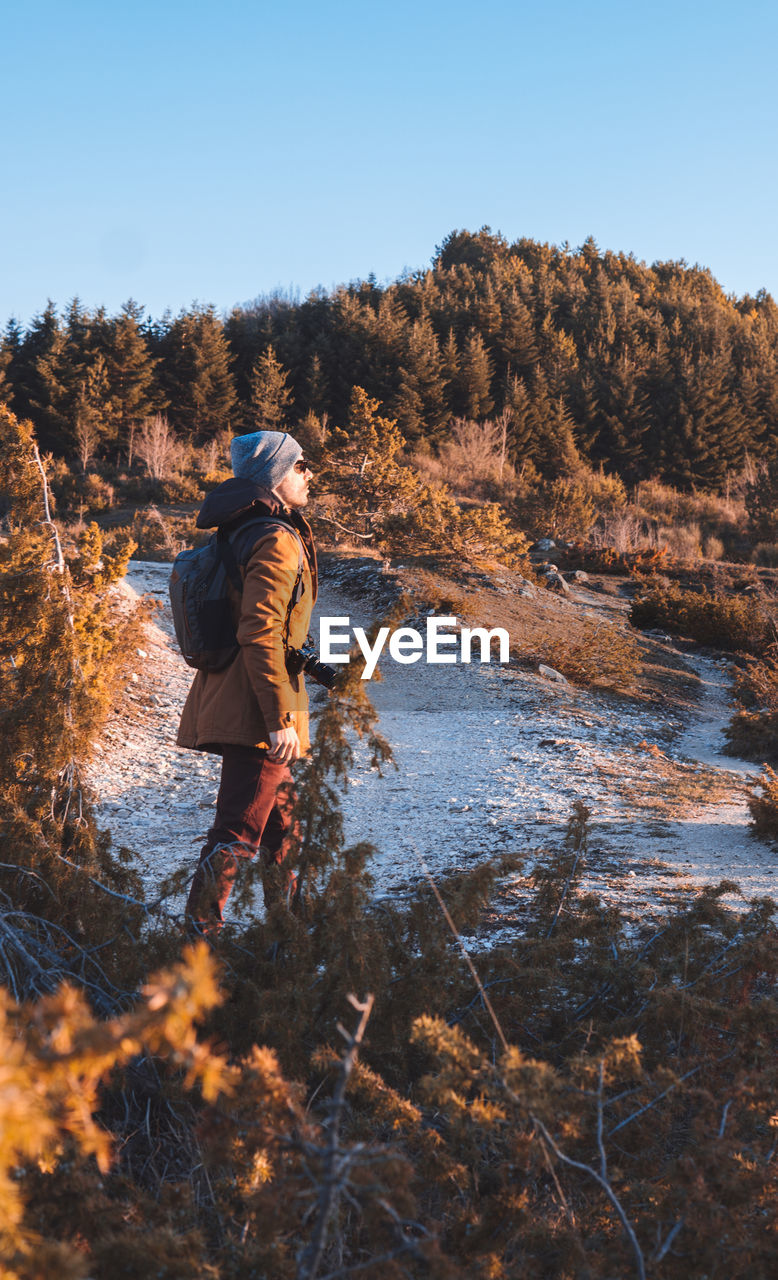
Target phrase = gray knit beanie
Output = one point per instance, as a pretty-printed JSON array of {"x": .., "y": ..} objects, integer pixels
[{"x": 264, "y": 456}]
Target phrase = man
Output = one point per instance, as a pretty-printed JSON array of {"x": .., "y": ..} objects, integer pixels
[{"x": 254, "y": 713}]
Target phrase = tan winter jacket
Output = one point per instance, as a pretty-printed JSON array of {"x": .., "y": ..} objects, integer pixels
[{"x": 256, "y": 694}]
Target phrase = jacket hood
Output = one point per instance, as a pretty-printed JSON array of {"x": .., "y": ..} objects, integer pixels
[{"x": 234, "y": 498}]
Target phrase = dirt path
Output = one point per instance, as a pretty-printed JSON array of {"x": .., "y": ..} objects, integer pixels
[{"x": 489, "y": 759}]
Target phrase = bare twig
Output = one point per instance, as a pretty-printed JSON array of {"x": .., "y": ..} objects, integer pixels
[
  {"x": 582, "y": 814},
  {"x": 659, "y": 1255},
  {"x": 600, "y": 1143},
  {"x": 351, "y": 532},
  {"x": 604, "y": 1184},
  {"x": 463, "y": 949},
  {"x": 642, "y": 1110},
  {"x": 336, "y": 1161}
]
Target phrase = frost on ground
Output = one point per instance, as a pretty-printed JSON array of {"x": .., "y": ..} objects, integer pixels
[{"x": 489, "y": 760}]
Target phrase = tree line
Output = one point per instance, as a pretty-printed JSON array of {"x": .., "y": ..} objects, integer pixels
[{"x": 649, "y": 370}]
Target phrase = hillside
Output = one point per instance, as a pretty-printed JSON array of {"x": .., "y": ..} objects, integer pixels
[{"x": 489, "y": 760}]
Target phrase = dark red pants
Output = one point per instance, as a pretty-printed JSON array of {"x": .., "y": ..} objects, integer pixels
[{"x": 253, "y": 813}]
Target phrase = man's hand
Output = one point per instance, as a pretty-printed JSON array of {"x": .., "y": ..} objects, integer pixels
[{"x": 284, "y": 746}]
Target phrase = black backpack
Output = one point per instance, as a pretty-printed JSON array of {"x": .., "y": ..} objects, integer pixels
[{"x": 203, "y": 611}]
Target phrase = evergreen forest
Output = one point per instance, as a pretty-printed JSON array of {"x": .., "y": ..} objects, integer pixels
[{"x": 649, "y": 371}]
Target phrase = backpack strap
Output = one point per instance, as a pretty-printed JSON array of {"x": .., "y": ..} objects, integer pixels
[
  {"x": 225, "y": 539},
  {"x": 228, "y": 559}
]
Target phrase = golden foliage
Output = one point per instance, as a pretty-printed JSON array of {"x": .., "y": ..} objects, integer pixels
[
  {"x": 377, "y": 495},
  {"x": 53, "y": 1056},
  {"x": 595, "y": 653},
  {"x": 763, "y": 803},
  {"x": 724, "y": 622}
]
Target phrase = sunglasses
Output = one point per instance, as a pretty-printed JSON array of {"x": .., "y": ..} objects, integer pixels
[{"x": 301, "y": 465}]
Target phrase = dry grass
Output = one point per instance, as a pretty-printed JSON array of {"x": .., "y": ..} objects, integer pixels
[
  {"x": 588, "y": 645},
  {"x": 472, "y": 461},
  {"x": 595, "y": 653},
  {"x": 653, "y": 500},
  {"x": 652, "y": 785}
]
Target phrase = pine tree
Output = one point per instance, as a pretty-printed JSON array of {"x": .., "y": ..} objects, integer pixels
[
  {"x": 555, "y": 451},
  {"x": 198, "y": 380},
  {"x": 522, "y": 420},
  {"x": 93, "y": 412},
  {"x": 53, "y": 391},
  {"x": 450, "y": 357},
  {"x": 420, "y": 403},
  {"x": 516, "y": 336},
  {"x": 362, "y": 466},
  {"x": 315, "y": 394},
  {"x": 8, "y": 349},
  {"x": 620, "y": 421},
  {"x": 476, "y": 370},
  {"x": 703, "y": 434},
  {"x": 270, "y": 398},
  {"x": 130, "y": 371},
  {"x": 386, "y": 330},
  {"x": 30, "y": 393}
]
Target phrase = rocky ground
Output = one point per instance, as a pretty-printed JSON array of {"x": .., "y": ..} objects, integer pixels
[{"x": 489, "y": 759}]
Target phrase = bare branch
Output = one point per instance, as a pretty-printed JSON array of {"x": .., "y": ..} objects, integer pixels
[
  {"x": 659, "y": 1255},
  {"x": 487, "y": 1002},
  {"x": 602, "y": 1182},
  {"x": 60, "y": 562},
  {"x": 336, "y": 1161},
  {"x": 642, "y": 1110},
  {"x": 351, "y": 532}
]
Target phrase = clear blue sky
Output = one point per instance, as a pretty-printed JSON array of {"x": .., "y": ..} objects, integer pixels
[{"x": 175, "y": 151}]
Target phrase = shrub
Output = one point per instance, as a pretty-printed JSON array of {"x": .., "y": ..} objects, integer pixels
[
  {"x": 752, "y": 733},
  {"x": 595, "y": 653},
  {"x": 64, "y": 648},
  {"x": 761, "y": 500},
  {"x": 724, "y": 622},
  {"x": 569, "y": 505},
  {"x": 607, "y": 492},
  {"x": 434, "y": 523},
  {"x": 713, "y": 548},
  {"x": 603, "y": 559},
  {"x": 763, "y": 803},
  {"x": 55, "y": 1054},
  {"x": 472, "y": 460},
  {"x": 766, "y": 553},
  {"x": 96, "y": 493},
  {"x": 681, "y": 541},
  {"x": 160, "y": 537},
  {"x": 379, "y": 499},
  {"x": 623, "y": 532},
  {"x": 161, "y": 452},
  {"x": 654, "y": 500}
]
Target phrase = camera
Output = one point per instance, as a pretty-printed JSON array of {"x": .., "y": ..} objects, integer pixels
[{"x": 307, "y": 659}]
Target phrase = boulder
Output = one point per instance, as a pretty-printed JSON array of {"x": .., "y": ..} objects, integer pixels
[
  {"x": 555, "y": 582},
  {"x": 551, "y": 674}
]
